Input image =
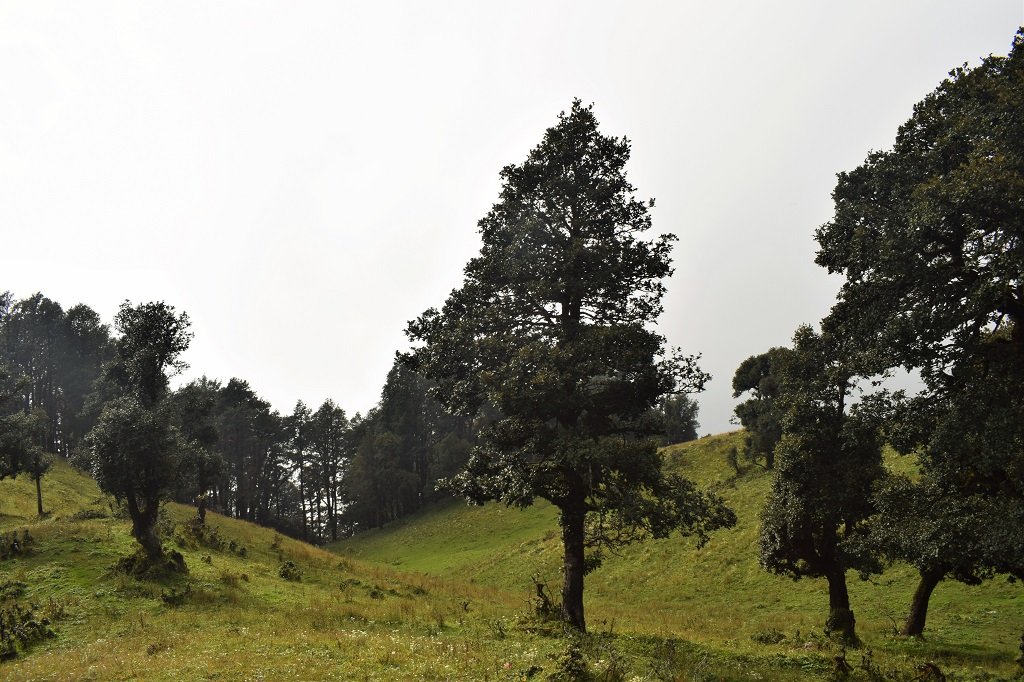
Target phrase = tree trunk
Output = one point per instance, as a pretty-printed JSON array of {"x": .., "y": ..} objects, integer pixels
[
  {"x": 302, "y": 504},
  {"x": 39, "y": 492},
  {"x": 144, "y": 528},
  {"x": 572, "y": 518},
  {"x": 840, "y": 617},
  {"x": 919, "y": 604}
]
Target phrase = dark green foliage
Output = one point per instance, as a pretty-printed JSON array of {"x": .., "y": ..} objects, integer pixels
[
  {"x": 140, "y": 564},
  {"x": 11, "y": 589},
  {"x": 571, "y": 665},
  {"x": 944, "y": 534},
  {"x": 136, "y": 447},
  {"x": 20, "y": 627},
  {"x": 928, "y": 235},
  {"x": 254, "y": 449},
  {"x": 175, "y": 597},
  {"x": 202, "y": 465},
  {"x": 732, "y": 458},
  {"x": 550, "y": 329},
  {"x": 761, "y": 414},
  {"x": 13, "y": 545},
  {"x": 194, "y": 534},
  {"x": 135, "y": 454},
  {"x": 827, "y": 460},
  {"x": 330, "y": 444},
  {"x": 17, "y": 448},
  {"x": 964, "y": 517},
  {"x": 56, "y": 355},
  {"x": 319, "y": 450},
  {"x": 769, "y": 636},
  {"x": 929, "y": 238},
  {"x": 402, "y": 449},
  {"x": 16, "y": 427},
  {"x": 148, "y": 352},
  {"x": 49, "y": 359}
]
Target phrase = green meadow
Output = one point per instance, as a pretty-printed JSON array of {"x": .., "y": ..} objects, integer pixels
[{"x": 448, "y": 594}]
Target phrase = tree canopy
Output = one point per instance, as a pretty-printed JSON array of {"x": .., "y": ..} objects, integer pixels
[
  {"x": 761, "y": 414},
  {"x": 928, "y": 234},
  {"x": 827, "y": 460}
]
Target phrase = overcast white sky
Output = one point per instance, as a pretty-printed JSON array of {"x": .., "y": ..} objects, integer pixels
[{"x": 303, "y": 178}]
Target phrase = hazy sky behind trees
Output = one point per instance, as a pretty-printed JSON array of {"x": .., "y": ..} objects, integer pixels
[{"x": 304, "y": 178}]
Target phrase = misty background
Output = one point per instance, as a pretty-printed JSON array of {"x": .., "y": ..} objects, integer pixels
[{"x": 304, "y": 178}]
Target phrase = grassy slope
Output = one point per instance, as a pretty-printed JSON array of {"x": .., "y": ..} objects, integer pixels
[
  {"x": 241, "y": 620},
  {"x": 716, "y": 596},
  {"x": 441, "y": 596}
]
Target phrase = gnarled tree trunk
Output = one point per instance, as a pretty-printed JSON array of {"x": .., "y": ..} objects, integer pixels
[{"x": 144, "y": 528}]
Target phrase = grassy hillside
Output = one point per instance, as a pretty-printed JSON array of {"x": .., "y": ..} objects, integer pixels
[
  {"x": 233, "y": 617},
  {"x": 446, "y": 596},
  {"x": 717, "y": 597}
]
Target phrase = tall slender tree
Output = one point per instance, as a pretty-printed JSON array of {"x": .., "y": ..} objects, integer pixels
[
  {"x": 297, "y": 425},
  {"x": 551, "y": 326}
]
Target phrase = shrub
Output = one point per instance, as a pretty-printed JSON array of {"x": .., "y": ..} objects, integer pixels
[
  {"x": 289, "y": 571},
  {"x": 572, "y": 667},
  {"x": 769, "y": 636},
  {"x": 174, "y": 598},
  {"x": 20, "y": 627},
  {"x": 89, "y": 515}
]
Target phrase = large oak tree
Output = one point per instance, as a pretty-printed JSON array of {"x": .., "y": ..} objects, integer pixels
[{"x": 930, "y": 238}]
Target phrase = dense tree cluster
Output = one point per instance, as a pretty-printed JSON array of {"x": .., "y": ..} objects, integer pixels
[
  {"x": 930, "y": 239},
  {"x": 49, "y": 361},
  {"x": 71, "y": 388}
]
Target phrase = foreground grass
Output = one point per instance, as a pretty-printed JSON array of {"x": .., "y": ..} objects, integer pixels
[
  {"x": 233, "y": 617},
  {"x": 446, "y": 596},
  {"x": 716, "y": 597}
]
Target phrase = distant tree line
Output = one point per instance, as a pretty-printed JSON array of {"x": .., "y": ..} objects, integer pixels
[
  {"x": 313, "y": 474},
  {"x": 50, "y": 359}
]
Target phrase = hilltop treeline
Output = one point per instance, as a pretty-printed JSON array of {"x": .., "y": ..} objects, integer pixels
[{"x": 316, "y": 473}]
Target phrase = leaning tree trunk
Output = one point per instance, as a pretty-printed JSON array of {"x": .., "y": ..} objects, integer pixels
[
  {"x": 840, "y": 617},
  {"x": 572, "y": 518},
  {"x": 919, "y": 604}
]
